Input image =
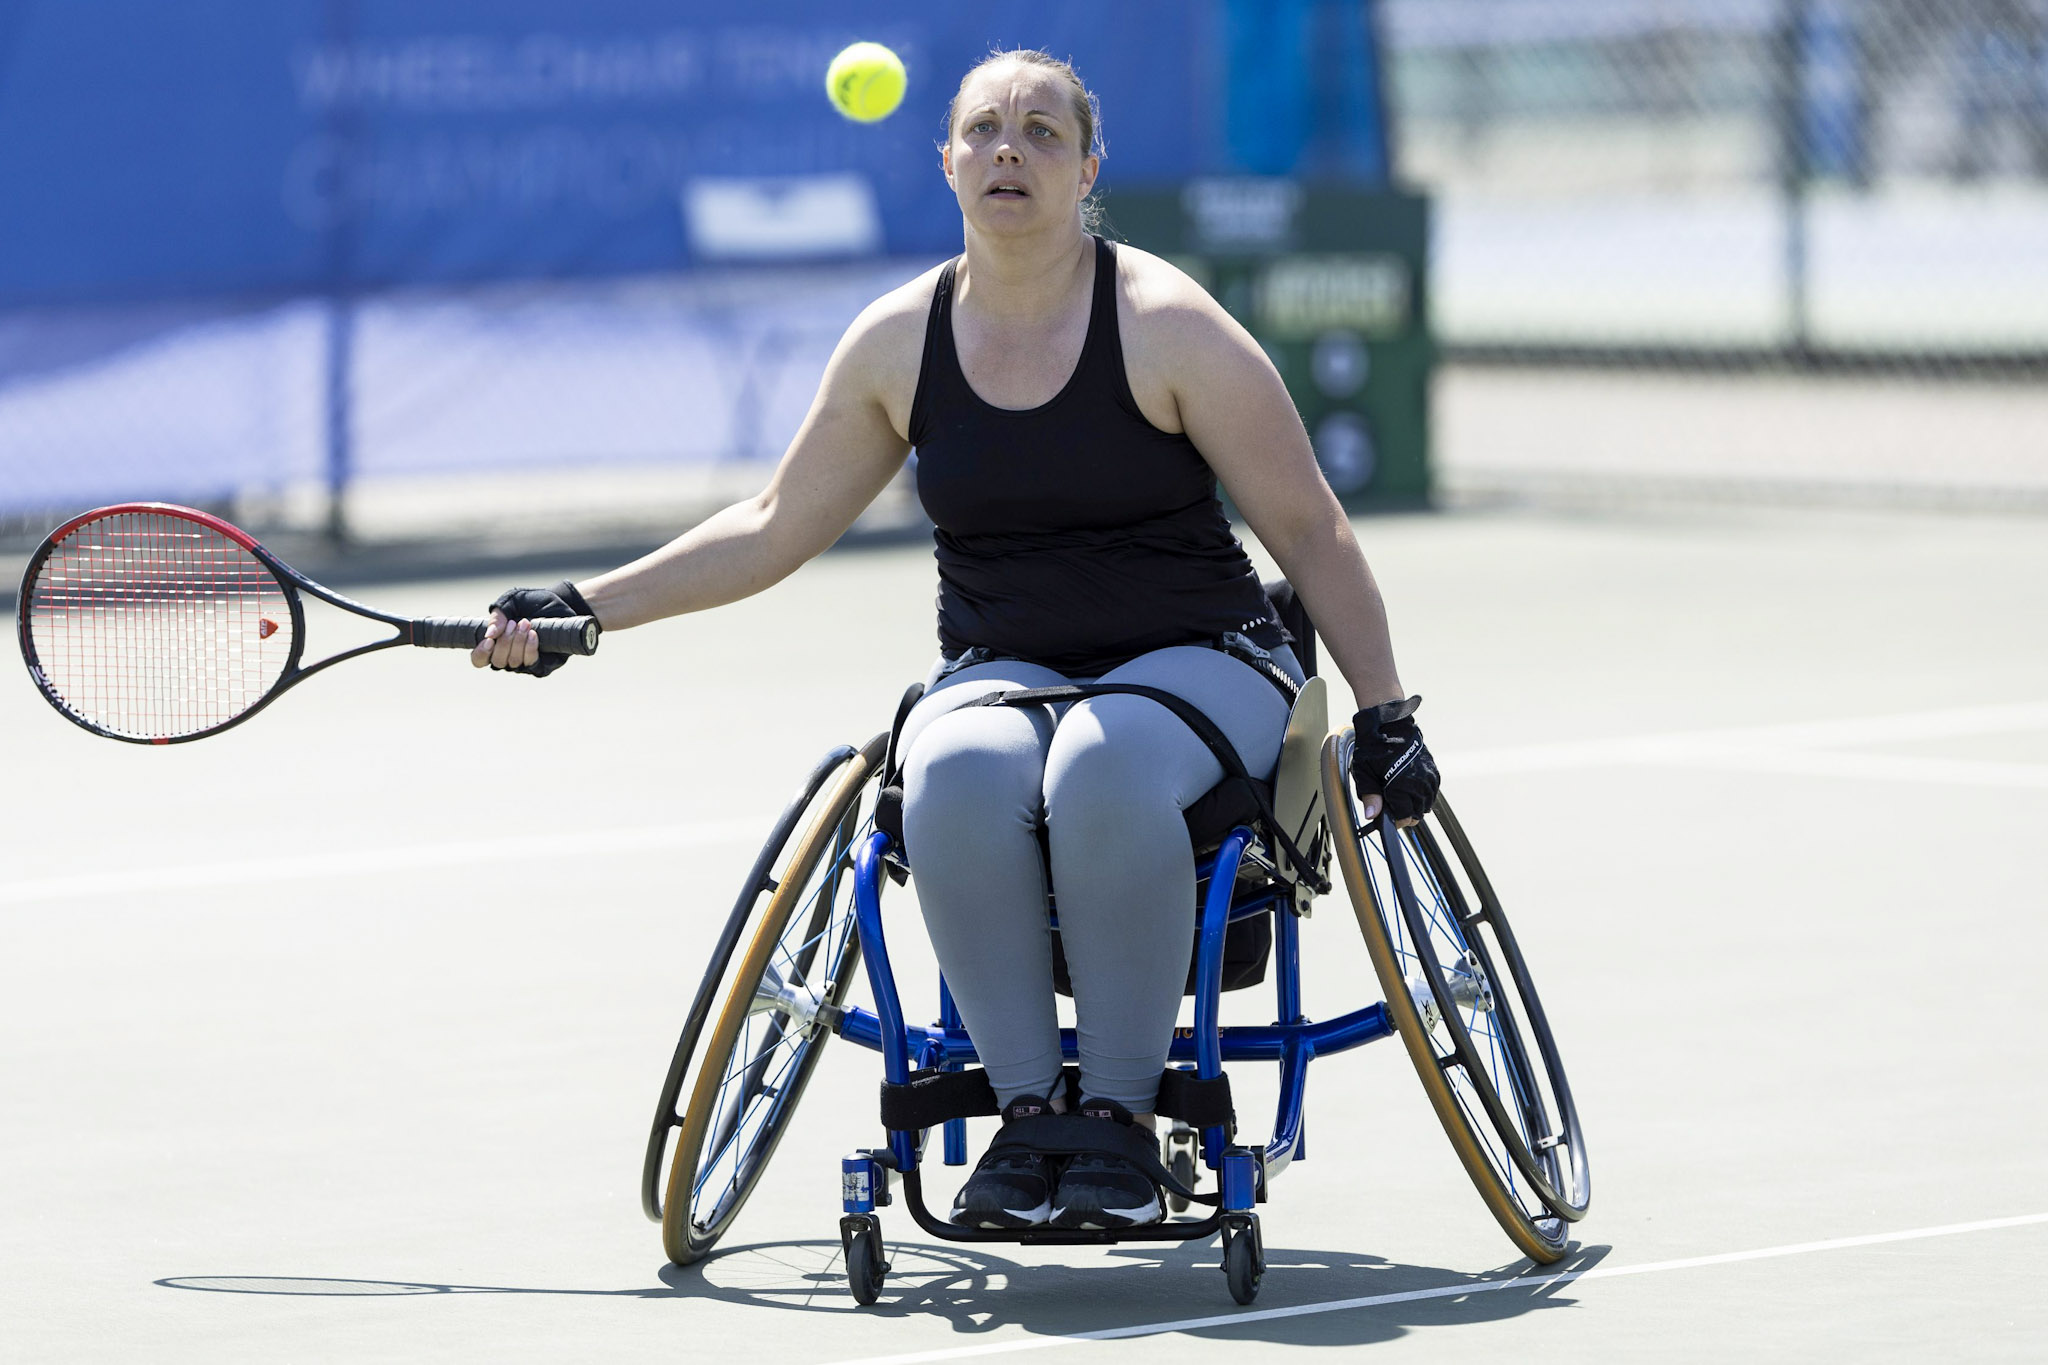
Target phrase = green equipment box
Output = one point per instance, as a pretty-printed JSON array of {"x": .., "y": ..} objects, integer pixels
[{"x": 1332, "y": 280}]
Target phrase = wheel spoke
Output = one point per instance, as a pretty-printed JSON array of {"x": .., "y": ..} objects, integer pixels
[
  {"x": 745, "y": 1110},
  {"x": 753, "y": 1088}
]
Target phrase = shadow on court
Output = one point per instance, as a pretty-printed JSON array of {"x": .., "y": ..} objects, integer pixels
[{"x": 979, "y": 1293}]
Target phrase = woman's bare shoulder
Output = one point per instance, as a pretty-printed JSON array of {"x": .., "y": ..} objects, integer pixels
[
  {"x": 883, "y": 348},
  {"x": 1176, "y": 336},
  {"x": 895, "y": 322},
  {"x": 1160, "y": 293}
]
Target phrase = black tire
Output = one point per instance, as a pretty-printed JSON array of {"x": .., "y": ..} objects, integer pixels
[
  {"x": 790, "y": 937},
  {"x": 1467, "y": 1011},
  {"x": 865, "y": 1269},
  {"x": 1243, "y": 1263},
  {"x": 1183, "y": 1168}
]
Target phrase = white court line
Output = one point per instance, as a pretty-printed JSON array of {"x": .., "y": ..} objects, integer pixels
[
  {"x": 1774, "y": 748},
  {"x": 1695, "y": 746},
  {"x": 1449, "y": 1291},
  {"x": 359, "y": 862},
  {"x": 1967, "y": 772}
]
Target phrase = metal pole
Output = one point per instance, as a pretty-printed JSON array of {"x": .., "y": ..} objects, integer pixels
[
  {"x": 1377, "y": 65},
  {"x": 1792, "y": 175},
  {"x": 340, "y": 396},
  {"x": 339, "y": 388}
]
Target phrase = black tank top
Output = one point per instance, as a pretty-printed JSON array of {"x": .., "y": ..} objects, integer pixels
[{"x": 1075, "y": 534}]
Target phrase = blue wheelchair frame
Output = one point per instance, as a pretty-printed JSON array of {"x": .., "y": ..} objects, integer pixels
[{"x": 1242, "y": 1170}]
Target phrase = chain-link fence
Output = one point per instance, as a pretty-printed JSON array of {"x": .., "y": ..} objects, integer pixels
[
  {"x": 1820, "y": 181},
  {"x": 1771, "y": 184},
  {"x": 523, "y": 411}
]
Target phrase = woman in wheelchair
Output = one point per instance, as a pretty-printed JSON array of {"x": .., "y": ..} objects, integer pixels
[{"x": 1073, "y": 405}]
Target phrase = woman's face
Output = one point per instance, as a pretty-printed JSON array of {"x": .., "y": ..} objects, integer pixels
[{"x": 1015, "y": 158}]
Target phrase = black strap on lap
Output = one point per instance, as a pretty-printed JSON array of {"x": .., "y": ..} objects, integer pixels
[{"x": 1205, "y": 730}]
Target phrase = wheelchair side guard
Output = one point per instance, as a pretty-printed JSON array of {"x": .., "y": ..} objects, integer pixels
[
  {"x": 889, "y": 801},
  {"x": 1298, "y": 781},
  {"x": 892, "y": 761}
]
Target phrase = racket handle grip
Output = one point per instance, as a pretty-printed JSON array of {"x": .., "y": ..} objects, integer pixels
[{"x": 558, "y": 634}]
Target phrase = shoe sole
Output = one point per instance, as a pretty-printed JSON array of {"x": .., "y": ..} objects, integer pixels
[
  {"x": 1001, "y": 1219},
  {"x": 1106, "y": 1220}
]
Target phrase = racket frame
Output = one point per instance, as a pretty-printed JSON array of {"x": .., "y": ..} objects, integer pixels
[{"x": 289, "y": 580}]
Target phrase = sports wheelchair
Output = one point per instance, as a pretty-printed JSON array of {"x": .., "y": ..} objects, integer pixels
[{"x": 809, "y": 913}]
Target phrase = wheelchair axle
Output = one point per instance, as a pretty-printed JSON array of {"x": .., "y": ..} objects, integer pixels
[
  {"x": 795, "y": 1000},
  {"x": 1466, "y": 984}
]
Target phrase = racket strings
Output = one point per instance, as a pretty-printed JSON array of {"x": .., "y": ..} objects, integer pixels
[{"x": 154, "y": 626}]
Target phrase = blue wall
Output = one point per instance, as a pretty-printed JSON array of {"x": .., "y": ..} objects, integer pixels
[{"x": 261, "y": 147}]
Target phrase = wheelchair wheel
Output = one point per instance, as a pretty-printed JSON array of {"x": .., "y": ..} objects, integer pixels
[
  {"x": 788, "y": 950},
  {"x": 1244, "y": 1257},
  {"x": 865, "y": 1268},
  {"x": 1180, "y": 1145},
  {"x": 1463, "y": 1002}
]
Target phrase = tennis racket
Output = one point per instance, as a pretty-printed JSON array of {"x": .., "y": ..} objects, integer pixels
[{"x": 157, "y": 624}]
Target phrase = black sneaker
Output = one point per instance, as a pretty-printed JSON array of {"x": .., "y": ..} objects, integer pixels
[
  {"x": 1009, "y": 1188},
  {"x": 1098, "y": 1190}
]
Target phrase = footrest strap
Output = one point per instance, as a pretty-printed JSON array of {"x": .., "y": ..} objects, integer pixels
[{"x": 931, "y": 1097}]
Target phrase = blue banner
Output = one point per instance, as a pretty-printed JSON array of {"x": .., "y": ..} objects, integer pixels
[{"x": 272, "y": 147}]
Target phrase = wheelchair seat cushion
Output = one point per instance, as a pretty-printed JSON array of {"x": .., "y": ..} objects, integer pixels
[{"x": 1232, "y": 802}]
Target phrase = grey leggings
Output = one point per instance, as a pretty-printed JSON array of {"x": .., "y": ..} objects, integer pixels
[{"x": 1109, "y": 780}]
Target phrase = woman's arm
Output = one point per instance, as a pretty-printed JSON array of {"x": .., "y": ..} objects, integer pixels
[
  {"x": 1235, "y": 408},
  {"x": 843, "y": 456}
]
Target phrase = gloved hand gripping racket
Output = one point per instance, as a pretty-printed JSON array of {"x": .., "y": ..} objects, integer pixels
[
  {"x": 1389, "y": 759},
  {"x": 538, "y": 604}
]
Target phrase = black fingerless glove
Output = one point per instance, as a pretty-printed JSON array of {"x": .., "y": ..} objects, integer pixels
[
  {"x": 1389, "y": 759},
  {"x": 531, "y": 604}
]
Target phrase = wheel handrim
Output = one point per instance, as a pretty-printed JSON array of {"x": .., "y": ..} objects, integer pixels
[
  {"x": 1556, "y": 1146},
  {"x": 759, "y": 883},
  {"x": 778, "y": 1045},
  {"x": 756, "y": 1065},
  {"x": 1482, "y": 1124},
  {"x": 1475, "y": 1037}
]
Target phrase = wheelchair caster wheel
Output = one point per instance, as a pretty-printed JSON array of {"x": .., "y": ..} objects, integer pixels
[
  {"x": 865, "y": 1269},
  {"x": 1244, "y": 1258},
  {"x": 1183, "y": 1169},
  {"x": 1180, "y": 1146}
]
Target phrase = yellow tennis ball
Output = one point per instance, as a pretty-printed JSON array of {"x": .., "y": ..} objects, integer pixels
[{"x": 865, "y": 82}]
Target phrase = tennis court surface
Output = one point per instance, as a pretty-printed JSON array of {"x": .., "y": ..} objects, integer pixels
[{"x": 336, "y": 1037}]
